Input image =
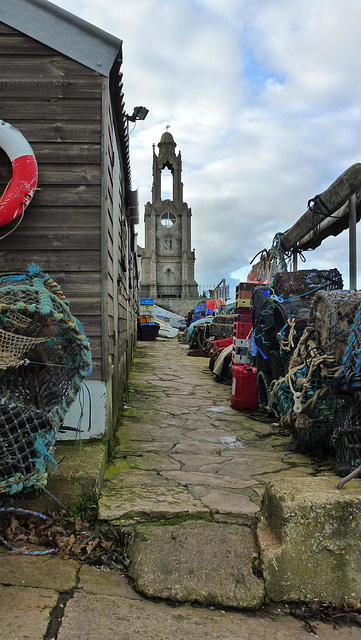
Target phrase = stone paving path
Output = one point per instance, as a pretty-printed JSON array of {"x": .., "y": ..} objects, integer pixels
[
  {"x": 179, "y": 431},
  {"x": 52, "y": 599},
  {"x": 186, "y": 459}
]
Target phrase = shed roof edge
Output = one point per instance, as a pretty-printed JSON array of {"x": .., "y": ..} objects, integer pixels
[{"x": 63, "y": 31}]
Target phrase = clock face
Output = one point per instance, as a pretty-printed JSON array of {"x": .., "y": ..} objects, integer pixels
[{"x": 168, "y": 219}]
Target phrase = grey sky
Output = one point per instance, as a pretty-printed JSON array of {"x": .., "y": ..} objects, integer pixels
[{"x": 263, "y": 100}]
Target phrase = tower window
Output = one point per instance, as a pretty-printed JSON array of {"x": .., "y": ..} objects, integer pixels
[
  {"x": 168, "y": 219},
  {"x": 168, "y": 243}
]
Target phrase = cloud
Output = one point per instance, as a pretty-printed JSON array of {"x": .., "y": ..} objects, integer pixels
[{"x": 263, "y": 102}]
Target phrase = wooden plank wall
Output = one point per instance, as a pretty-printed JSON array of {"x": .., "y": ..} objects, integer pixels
[
  {"x": 57, "y": 104},
  {"x": 121, "y": 293}
]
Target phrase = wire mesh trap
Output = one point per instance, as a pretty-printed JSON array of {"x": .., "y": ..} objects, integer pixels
[
  {"x": 44, "y": 356},
  {"x": 305, "y": 397}
]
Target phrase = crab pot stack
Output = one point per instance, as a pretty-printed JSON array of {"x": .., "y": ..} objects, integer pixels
[
  {"x": 44, "y": 356},
  {"x": 244, "y": 376}
]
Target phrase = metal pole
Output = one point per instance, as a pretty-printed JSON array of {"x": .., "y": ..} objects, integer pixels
[
  {"x": 294, "y": 259},
  {"x": 352, "y": 244}
]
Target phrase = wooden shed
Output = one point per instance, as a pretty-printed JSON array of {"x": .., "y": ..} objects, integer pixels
[{"x": 61, "y": 85}]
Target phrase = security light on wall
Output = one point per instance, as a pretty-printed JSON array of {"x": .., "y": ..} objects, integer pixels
[{"x": 139, "y": 113}]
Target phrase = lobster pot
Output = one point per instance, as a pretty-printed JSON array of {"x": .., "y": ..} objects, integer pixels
[
  {"x": 44, "y": 356},
  {"x": 220, "y": 327},
  {"x": 259, "y": 297},
  {"x": 332, "y": 316},
  {"x": 299, "y": 310},
  {"x": 352, "y": 359},
  {"x": 305, "y": 282},
  {"x": 346, "y": 437},
  {"x": 312, "y": 428}
]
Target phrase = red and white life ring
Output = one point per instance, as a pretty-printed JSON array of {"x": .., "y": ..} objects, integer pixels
[{"x": 21, "y": 188}]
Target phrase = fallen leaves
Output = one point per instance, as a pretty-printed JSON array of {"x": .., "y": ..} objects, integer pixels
[{"x": 73, "y": 537}]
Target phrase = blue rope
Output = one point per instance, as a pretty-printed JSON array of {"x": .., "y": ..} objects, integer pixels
[{"x": 25, "y": 552}]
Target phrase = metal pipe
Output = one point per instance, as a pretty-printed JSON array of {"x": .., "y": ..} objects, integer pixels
[
  {"x": 329, "y": 201},
  {"x": 352, "y": 244},
  {"x": 325, "y": 224}
]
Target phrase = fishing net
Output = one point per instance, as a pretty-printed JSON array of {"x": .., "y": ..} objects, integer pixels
[
  {"x": 278, "y": 330},
  {"x": 44, "y": 356},
  {"x": 332, "y": 316},
  {"x": 312, "y": 425},
  {"x": 347, "y": 426},
  {"x": 303, "y": 398},
  {"x": 346, "y": 437}
]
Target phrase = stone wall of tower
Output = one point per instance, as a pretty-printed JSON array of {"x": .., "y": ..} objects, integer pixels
[{"x": 168, "y": 260}]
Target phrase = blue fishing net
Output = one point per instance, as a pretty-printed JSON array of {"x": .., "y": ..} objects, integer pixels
[{"x": 44, "y": 356}]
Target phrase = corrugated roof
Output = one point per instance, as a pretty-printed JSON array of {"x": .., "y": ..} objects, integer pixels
[{"x": 64, "y": 32}]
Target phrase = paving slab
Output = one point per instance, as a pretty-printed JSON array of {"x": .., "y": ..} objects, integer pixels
[
  {"x": 90, "y": 617},
  {"x": 185, "y": 478},
  {"x": 115, "y": 479},
  {"x": 197, "y": 561},
  {"x": 105, "y": 583},
  {"x": 45, "y": 572},
  {"x": 231, "y": 503},
  {"x": 142, "y": 504},
  {"x": 25, "y": 612}
]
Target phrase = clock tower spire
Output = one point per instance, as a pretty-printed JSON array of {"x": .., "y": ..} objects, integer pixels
[{"x": 167, "y": 260}]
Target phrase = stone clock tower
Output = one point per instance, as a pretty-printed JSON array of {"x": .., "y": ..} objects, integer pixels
[{"x": 167, "y": 259}]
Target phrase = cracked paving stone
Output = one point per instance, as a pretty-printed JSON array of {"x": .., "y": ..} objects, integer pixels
[
  {"x": 208, "y": 479},
  {"x": 226, "y": 502},
  {"x": 134, "y": 504}
]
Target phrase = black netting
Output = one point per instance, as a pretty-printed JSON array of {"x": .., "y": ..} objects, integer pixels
[{"x": 347, "y": 435}]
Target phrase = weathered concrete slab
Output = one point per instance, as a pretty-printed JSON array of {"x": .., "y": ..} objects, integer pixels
[
  {"x": 115, "y": 479},
  {"x": 89, "y": 617},
  {"x": 152, "y": 462},
  {"x": 25, "y": 612},
  {"x": 45, "y": 572},
  {"x": 310, "y": 540},
  {"x": 79, "y": 473},
  {"x": 105, "y": 583},
  {"x": 231, "y": 504},
  {"x": 206, "y": 479},
  {"x": 140, "y": 504},
  {"x": 214, "y": 564}
]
